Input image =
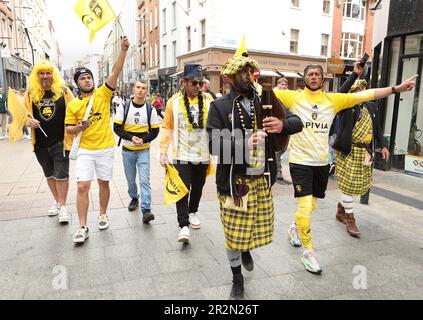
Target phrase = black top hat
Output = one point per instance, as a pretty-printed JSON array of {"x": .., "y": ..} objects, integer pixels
[{"x": 192, "y": 71}]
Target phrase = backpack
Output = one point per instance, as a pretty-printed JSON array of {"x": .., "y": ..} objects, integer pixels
[{"x": 125, "y": 115}]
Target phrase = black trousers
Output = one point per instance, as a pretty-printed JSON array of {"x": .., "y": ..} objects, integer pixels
[{"x": 194, "y": 177}]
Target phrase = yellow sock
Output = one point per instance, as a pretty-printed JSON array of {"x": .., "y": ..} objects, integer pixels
[{"x": 302, "y": 218}]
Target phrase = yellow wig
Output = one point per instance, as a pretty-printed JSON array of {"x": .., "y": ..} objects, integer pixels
[{"x": 34, "y": 86}]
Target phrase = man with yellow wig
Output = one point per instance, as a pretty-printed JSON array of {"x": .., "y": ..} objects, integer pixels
[{"x": 46, "y": 100}]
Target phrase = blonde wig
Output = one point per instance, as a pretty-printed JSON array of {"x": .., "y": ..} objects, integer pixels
[{"x": 35, "y": 88}]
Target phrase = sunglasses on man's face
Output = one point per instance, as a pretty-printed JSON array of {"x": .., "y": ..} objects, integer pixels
[{"x": 195, "y": 83}]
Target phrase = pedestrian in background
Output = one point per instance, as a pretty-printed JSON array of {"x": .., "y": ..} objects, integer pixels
[{"x": 3, "y": 115}]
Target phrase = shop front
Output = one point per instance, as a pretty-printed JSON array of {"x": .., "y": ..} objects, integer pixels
[
  {"x": 402, "y": 113},
  {"x": 272, "y": 66}
]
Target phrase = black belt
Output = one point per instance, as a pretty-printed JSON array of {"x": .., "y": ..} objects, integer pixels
[{"x": 363, "y": 145}]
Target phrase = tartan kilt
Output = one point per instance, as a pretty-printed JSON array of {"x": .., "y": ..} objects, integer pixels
[
  {"x": 254, "y": 228},
  {"x": 354, "y": 178}
]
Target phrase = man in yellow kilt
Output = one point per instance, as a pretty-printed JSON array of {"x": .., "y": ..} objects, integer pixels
[
  {"x": 246, "y": 202},
  {"x": 354, "y": 148}
]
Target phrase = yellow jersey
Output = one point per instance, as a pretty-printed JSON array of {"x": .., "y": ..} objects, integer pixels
[
  {"x": 99, "y": 134},
  {"x": 317, "y": 109}
]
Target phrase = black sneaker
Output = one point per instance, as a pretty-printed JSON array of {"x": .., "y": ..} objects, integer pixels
[
  {"x": 147, "y": 216},
  {"x": 237, "y": 291},
  {"x": 133, "y": 205},
  {"x": 247, "y": 260}
]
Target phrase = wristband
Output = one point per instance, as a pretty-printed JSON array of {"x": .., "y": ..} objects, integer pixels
[{"x": 393, "y": 90}]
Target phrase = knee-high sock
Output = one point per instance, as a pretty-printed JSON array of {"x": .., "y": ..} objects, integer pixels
[
  {"x": 348, "y": 203},
  {"x": 302, "y": 217},
  {"x": 234, "y": 257}
]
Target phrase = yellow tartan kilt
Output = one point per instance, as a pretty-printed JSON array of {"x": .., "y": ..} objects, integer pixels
[
  {"x": 354, "y": 178},
  {"x": 254, "y": 228}
]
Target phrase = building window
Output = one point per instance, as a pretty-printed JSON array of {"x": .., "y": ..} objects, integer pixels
[
  {"x": 151, "y": 20},
  {"x": 156, "y": 18},
  {"x": 294, "y": 41},
  {"x": 151, "y": 56},
  {"x": 188, "y": 4},
  {"x": 326, "y": 6},
  {"x": 325, "y": 44},
  {"x": 143, "y": 25},
  {"x": 174, "y": 15},
  {"x": 164, "y": 24},
  {"x": 174, "y": 53},
  {"x": 295, "y": 3},
  {"x": 164, "y": 61},
  {"x": 355, "y": 9},
  {"x": 156, "y": 55},
  {"x": 351, "y": 45},
  {"x": 203, "y": 33},
  {"x": 188, "y": 39}
]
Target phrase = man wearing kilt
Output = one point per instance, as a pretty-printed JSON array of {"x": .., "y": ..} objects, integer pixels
[
  {"x": 246, "y": 202},
  {"x": 354, "y": 152},
  {"x": 309, "y": 149}
]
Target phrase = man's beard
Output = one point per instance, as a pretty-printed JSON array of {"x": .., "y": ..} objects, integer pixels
[{"x": 244, "y": 88}]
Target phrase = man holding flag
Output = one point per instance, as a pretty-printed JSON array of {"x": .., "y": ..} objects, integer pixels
[
  {"x": 95, "y": 153},
  {"x": 45, "y": 101}
]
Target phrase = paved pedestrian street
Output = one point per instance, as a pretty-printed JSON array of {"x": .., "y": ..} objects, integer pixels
[{"x": 131, "y": 260}]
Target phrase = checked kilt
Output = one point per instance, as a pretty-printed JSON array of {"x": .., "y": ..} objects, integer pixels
[
  {"x": 254, "y": 228},
  {"x": 354, "y": 178}
]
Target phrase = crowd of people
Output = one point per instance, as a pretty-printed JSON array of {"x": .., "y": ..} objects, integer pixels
[{"x": 198, "y": 125}]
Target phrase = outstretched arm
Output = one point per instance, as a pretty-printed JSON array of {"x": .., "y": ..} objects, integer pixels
[
  {"x": 407, "y": 85},
  {"x": 117, "y": 67}
]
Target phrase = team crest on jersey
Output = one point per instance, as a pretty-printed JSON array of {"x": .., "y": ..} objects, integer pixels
[
  {"x": 47, "y": 109},
  {"x": 314, "y": 116},
  {"x": 136, "y": 120},
  {"x": 298, "y": 188}
]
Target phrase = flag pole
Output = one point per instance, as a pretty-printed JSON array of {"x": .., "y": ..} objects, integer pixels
[
  {"x": 117, "y": 18},
  {"x": 29, "y": 115}
]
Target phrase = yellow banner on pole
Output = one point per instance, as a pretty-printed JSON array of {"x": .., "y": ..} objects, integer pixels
[
  {"x": 17, "y": 116},
  {"x": 95, "y": 14}
]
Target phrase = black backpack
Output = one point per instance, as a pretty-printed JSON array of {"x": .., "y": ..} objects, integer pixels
[{"x": 125, "y": 115}]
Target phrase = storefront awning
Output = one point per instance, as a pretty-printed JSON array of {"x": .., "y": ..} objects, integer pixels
[
  {"x": 271, "y": 73},
  {"x": 176, "y": 74},
  {"x": 290, "y": 74}
]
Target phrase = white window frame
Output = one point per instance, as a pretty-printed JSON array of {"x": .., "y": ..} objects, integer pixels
[
  {"x": 291, "y": 41},
  {"x": 328, "y": 6},
  {"x": 324, "y": 45},
  {"x": 353, "y": 40},
  {"x": 348, "y": 9}
]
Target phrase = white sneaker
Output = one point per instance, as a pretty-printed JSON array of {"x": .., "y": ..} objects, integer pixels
[
  {"x": 28, "y": 137},
  {"x": 64, "y": 215},
  {"x": 103, "y": 222},
  {"x": 81, "y": 235},
  {"x": 1, "y": 138},
  {"x": 184, "y": 235},
  {"x": 54, "y": 210},
  {"x": 194, "y": 221}
]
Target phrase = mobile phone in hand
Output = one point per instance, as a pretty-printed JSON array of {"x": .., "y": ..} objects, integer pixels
[{"x": 363, "y": 60}]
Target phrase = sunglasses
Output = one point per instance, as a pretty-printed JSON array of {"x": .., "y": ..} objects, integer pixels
[{"x": 195, "y": 83}]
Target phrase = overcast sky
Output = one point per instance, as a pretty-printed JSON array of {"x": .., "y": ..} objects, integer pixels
[{"x": 72, "y": 34}]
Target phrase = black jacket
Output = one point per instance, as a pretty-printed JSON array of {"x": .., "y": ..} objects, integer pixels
[
  {"x": 346, "y": 120},
  {"x": 219, "y": 129}
]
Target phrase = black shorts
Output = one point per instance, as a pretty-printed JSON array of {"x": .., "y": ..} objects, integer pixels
[
  {"x": 309, "y": 180},
  {"x": 54, "y": 161}
]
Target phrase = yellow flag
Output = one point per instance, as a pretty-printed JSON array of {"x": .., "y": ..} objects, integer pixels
[
  {"x": 17, "y": 117},
  {"x": 175, "y": 188},
  {"x": 242, "y": 48},
  {"x": 95, "y": 14}
]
